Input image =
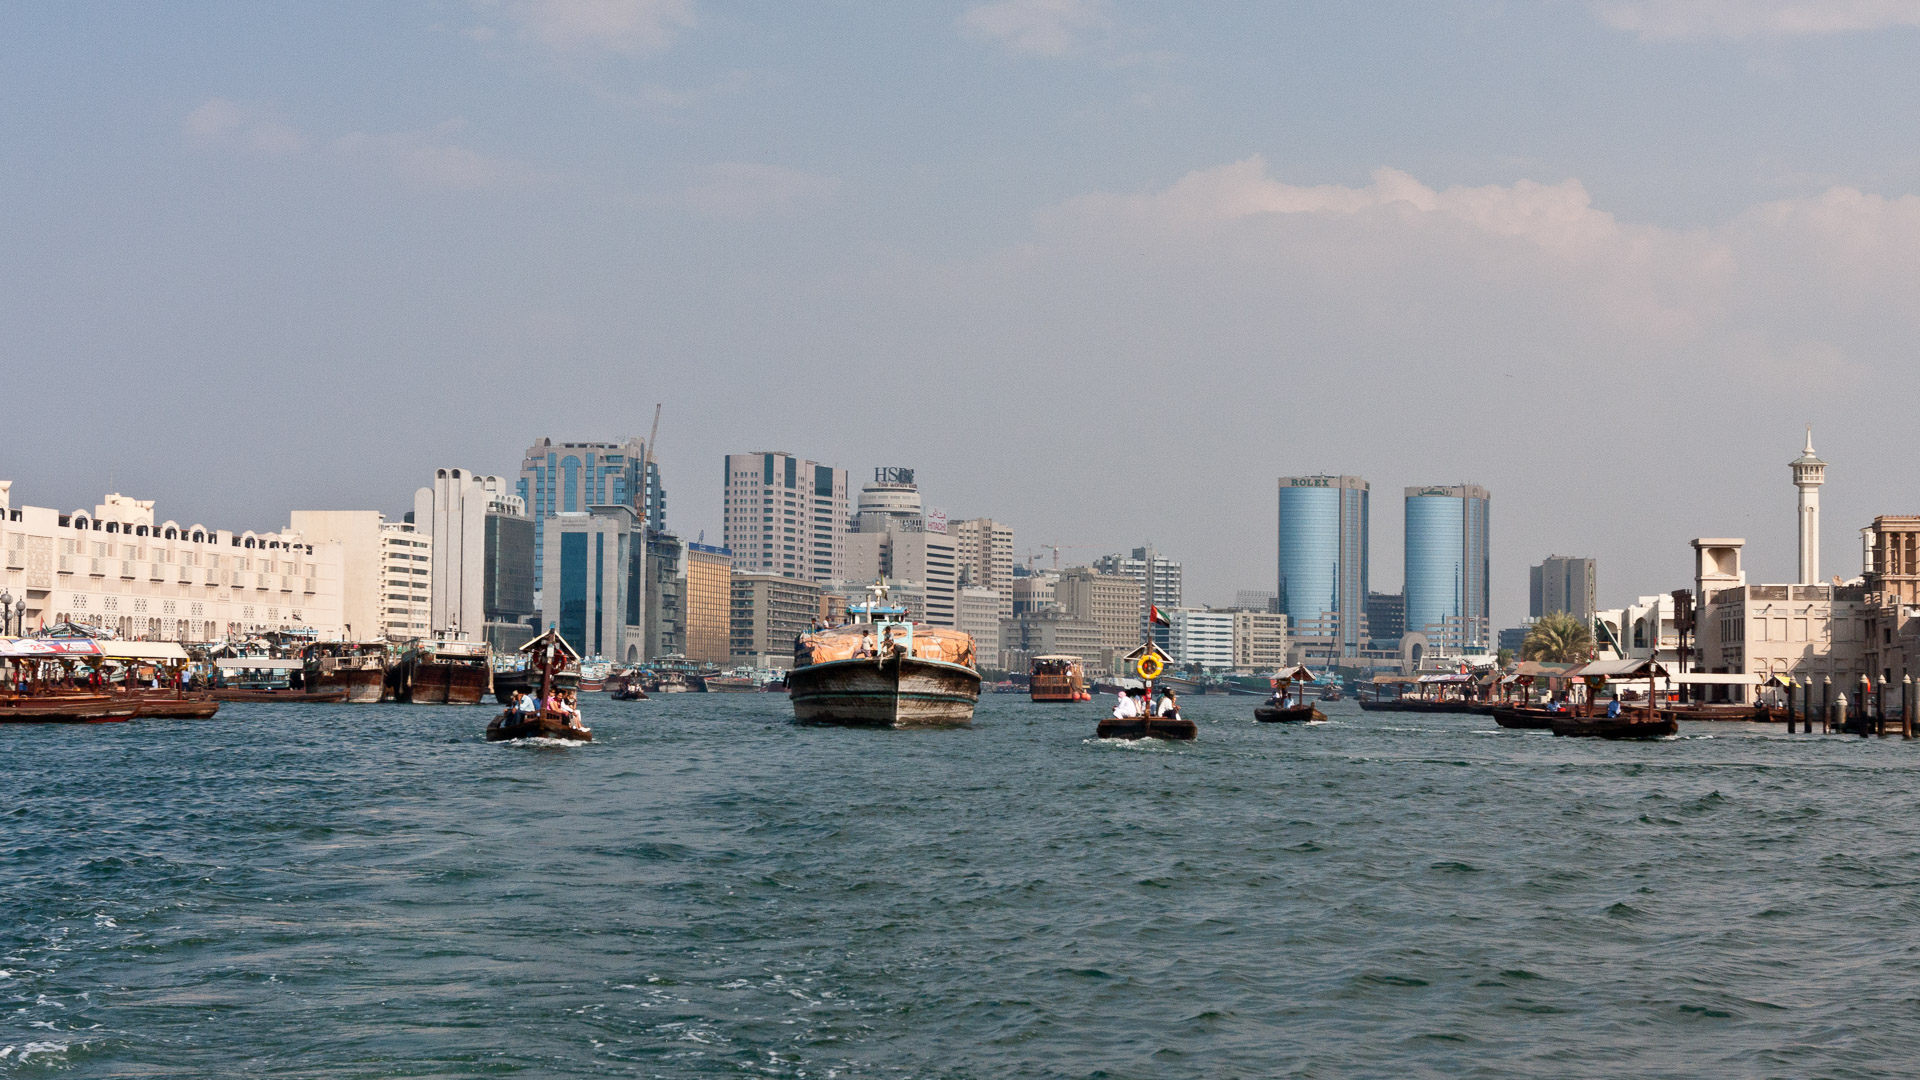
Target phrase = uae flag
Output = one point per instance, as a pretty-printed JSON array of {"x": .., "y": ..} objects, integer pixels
[{"x": 1154, "y": 616}]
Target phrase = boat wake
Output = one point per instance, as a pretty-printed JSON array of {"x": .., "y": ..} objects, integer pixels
[{"x": 539, "y": 740}]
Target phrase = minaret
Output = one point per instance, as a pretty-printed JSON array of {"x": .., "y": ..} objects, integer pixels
[{"x": 1809, "y": 473}]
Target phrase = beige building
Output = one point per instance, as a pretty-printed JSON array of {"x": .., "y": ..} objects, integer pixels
[
  {"x": 453, "y": 512},
  {"x": 768, "y": 612},
  {"x": 784, "y": 515},
  {"x": 1806, "y": 632},
  {"x": 978, "y": 613},
  {"x": 1034, "y": 592},
  {"x": 1052, "y": 633},
  {"x": 1890, "y": 559},
  {"x": 117, "y": 568},
  {"x": 1259, "y": 641},
  {"x": 983, "y": 555},
  {"x": 1109, "y": 601},
  {"x": 709, "y": 604},
  {"x": 924, "y": 559},
  {"x": 386, "y": 569}
]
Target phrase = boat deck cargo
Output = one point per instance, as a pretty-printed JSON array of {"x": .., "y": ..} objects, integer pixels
[{"x": 882, "y": 671}]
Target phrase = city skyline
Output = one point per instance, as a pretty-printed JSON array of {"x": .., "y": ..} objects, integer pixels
[{"x": 287, "y": 229}]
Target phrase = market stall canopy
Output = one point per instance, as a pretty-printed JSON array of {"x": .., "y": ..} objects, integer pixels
[
  {"x": 1643, "y": 668},
  {"x": 165, "y": 652},
  {"x": 48, "y": 648},
  {"x": 257, "y": 663}
]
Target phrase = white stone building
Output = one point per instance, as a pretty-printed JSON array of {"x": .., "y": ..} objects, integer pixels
[
  {"x": 1259, "y": 641},
  {"x": 1201, "y": 636},
  {"x": 118, "y": 568},
  {"x": 385, "y": 572}
]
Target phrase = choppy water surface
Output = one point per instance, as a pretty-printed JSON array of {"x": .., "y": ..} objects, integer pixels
[{"x": 709, "y": 890}]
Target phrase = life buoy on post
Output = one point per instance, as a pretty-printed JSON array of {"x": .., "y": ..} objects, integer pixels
[{"x": 1149, "y": 666}]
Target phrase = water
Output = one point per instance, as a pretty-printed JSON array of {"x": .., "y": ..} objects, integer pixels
[{"x": 710, "y": 891}]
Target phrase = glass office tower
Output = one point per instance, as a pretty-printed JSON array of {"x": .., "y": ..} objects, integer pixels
[
  {"x": 1447, "y": 565},
  {"x": 1323, "y": 563}
]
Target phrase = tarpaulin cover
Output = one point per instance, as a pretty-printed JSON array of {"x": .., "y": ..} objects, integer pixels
[{"x": 847, "y": 642}]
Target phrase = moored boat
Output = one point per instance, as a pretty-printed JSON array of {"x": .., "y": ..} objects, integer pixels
[
  {"x": 359, "y": 668},
  {"x": 442, "y": 673},
  {"x": 66, "y": 709},
  {"x": 1641, "y": 724},
  {"x": 882, "y": 670},
  {"x": 176, "y": 705}
]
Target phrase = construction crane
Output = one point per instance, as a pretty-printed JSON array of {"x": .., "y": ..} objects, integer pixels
[
  {"x": 646, "y": 469},
  {"x": 1055, "y": 548}
]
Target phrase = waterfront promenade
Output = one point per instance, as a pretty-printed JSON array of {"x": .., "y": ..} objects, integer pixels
[{"x": 710, "y": 891}]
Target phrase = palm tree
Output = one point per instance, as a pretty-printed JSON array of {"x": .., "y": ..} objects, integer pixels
[{"x": 1558, "y": 638}]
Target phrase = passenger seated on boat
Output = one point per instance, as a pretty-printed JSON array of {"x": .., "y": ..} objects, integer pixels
[
  {"x": 868, "y": 650},
  {"x": 1613, "y": 709},
  {"x": 1126, "y": 708},
  {"x": 1169, "y": 706}
]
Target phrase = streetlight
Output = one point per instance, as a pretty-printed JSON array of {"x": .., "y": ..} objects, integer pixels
[{"x": 6, "y": 611}]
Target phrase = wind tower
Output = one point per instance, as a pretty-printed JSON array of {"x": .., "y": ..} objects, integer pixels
[{"x": 1809, "y": 472}]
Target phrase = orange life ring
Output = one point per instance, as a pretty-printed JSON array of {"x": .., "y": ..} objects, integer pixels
[{"x": 1149, "y": 667}]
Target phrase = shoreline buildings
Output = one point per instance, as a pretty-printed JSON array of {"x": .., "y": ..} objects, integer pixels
[
  {"x": 1161, "y": 586},
  {"x": 571, "y": 477},
  {"x": 1323, "y": 586},
  {"x": 784, "y": 515},
  {"x": 1447, "y": 566},
  {"x": 386, "y": 572},
  {"x": 1563, "y": 583},
  {"x": 484, "y": 558},
  {"x": 137, "y": 578}
]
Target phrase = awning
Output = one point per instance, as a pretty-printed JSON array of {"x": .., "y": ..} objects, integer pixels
[
  {"x": 162, "y": 651},
  {"x": 257, "y": 663},
  {"x": 1703, "y": 678},
  {"x": 1642, "y": 668},
  {"x": 48, "y": 648},
  {"x": 1451, "y": 678}
]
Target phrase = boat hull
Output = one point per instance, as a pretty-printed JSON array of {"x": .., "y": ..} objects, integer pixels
[
  {"x": 1146, "y": 727},
  {"x": 313, "y": 697},
  {"x": 509, "y": 726},
  {"x": 899, "y": 692},
  {"x": 1288, "y": 714},
  {"x": 436, "y": 683},
  {"x": 1617, "y": 728},
  {"x": 165, "y": 705},
  {"x": 67, "y": 709},
  {"x": 364, "y": 686},
  {"x": 1525, "y": 719}
]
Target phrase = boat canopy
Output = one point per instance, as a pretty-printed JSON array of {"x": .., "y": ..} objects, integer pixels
[
  {"x": 551, "y": 637},
  {"x": 1139, "y": 651},
  {"x": 1643, "y": 668},
  {"x": 1393, "y": 680},
  {"x": 257, "y": 663},
  {"x": 162, "y": 651},
  {"x": 1705, "y": 678},
  {"x": 1535, "y": 669},
  {"x": 1296, "y": 674},
  {"x": 48, "y": 648},
  {"x": 1060, "y": 656},
  {"x": 1449, "y": 678}
]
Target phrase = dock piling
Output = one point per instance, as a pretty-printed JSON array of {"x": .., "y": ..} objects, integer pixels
[{"x": 1826, "y": 704}]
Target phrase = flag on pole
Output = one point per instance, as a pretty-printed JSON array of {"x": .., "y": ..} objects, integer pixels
[{"x": 1154, "y": 616}]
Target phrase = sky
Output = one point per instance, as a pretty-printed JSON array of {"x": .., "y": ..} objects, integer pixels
[{"x": 1098, "y": 269}]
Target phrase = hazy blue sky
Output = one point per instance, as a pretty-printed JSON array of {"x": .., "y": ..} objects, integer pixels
[{"x": 1098, "y": 269}]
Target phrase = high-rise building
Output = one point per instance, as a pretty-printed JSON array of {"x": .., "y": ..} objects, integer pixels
[
  {"x": 1052, "y": 632},
  {"x": 1563, "y": 583},
  {"x": 596, "y": 581},
  {"x": 1160, "y": 585},
  {"x": 926, "y": 558},
  {"x": 455, "y": 512},
  {"x": 1386, "y": 618},
  {"x": 1447, "y": 566},
  {"x": 983, "y": 550},
  {"x": 1259, "y": 641},
  {"x": 664, "y": 614},
  {"x": 386, "y": 571},
  {"x": 1201, "y": 636},
  {"x": 768, "y": 612},
  {"x": 1034, "y": 591},
  {"x": 507, "y": 598},
  {"x": 1323, "y": 562},
  {"x": 1108, "y": 601},
  {"x": 1809, "y": 472},
  {"x": 891, "y": 503},
  {"x": 977, "y": 612},
  {"x": 571, "y": 477},
  {"x": 784, "y": 515},
  {"x": 708, "y": 603}
]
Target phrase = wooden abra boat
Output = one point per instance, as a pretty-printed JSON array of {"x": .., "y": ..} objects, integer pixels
[
  {"x": 1148, "y": 661},
  {"x": 883, "y": 671},
  {"x": 66, "y": 709},
  {"x": 548, "y": 654},
  {"x": 1278, "y": 710},
  {"x": 302, "y": 697},
  {"x": 1525, "y": 718},
  {"x": 176, "y": 705},
  {"x": 1057, "y": 678}
]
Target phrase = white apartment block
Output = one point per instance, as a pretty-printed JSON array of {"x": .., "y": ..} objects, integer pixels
[
  {"x": 1202, "y": 637},
  {"x": 385, "y": 570},
  {"x": 118, "y": 569},
  {"x": 453, "y": 512},
  {"x": 1259, "y": 641},
  {"x": 983, "y": 549},
  {"x": 784, "y": 515}
]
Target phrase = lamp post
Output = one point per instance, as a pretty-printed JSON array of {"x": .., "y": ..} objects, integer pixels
[{"x": 6, "y": 611}]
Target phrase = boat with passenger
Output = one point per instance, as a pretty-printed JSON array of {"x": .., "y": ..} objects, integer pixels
[
  {"x": 1057, "y": 678},
  {"x": 883, "y": 670},
  {"x": 1133, "y": 715},
  {"x": 1289, "y": 704},
  {"x": 549, "y": 713}
]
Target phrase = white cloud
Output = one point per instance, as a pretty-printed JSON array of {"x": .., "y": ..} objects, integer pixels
[
  {"x": 1043, "y": 27},
  {"x": 619, "y": 26},
  {"x": 223, "y": 121},
  {"x": 421, "y": 159},
  {"x": 1671, "y": 19},
  {"x": 747, "y": 189}
]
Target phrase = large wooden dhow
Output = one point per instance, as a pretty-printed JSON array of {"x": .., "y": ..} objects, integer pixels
[
  {"x": 882, "y": 670},
  {"x": 359, "y": 668},
  {"x": 442, "y": 673},
  {"x": 1057, "y": 678}
]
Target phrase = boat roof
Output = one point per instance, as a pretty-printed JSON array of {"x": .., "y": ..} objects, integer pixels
[
  {"x": 1643, "y": 668},
  {"x": 257, "y": 663},
  {"x": 143, "y": 650},
  {"x": 1300, "y": 673},
  {"x": 48, "y": 648},
  {"x": 1059, "y": 656}
]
